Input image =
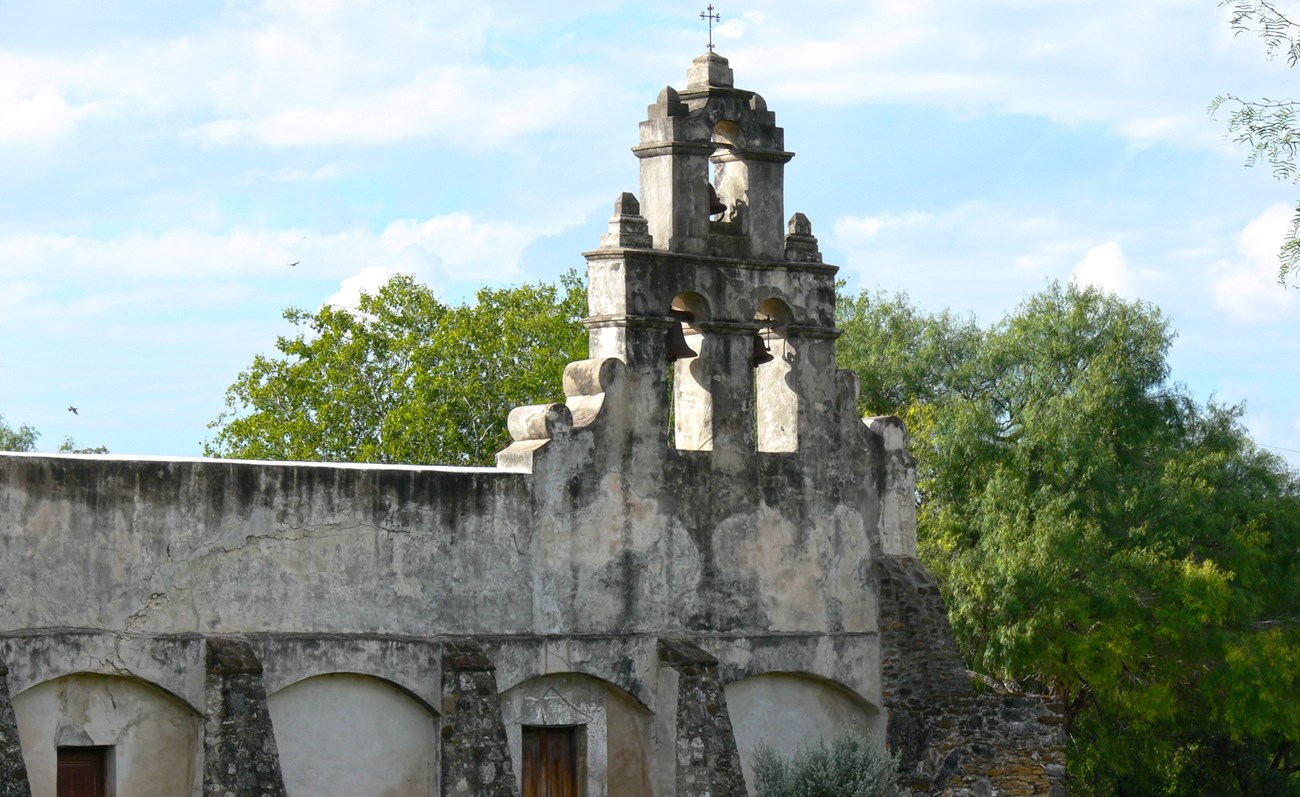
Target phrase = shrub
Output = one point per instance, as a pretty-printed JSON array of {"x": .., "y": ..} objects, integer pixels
[{"x": 851, "y": 767}]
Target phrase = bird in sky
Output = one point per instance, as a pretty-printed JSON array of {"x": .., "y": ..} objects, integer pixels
[
  {"x": 294, "y": 263},
  {"x": 73, "y": 410}
]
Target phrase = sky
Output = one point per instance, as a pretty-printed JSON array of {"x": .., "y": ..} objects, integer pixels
[{"x": 164, "y": 162}]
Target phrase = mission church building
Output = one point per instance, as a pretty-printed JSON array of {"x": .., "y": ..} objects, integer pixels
[{"x": 704, "y": 548}]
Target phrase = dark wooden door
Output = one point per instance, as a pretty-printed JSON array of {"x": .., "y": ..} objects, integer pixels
[
  {"x": 550, "y": 762},
  {"x": 82, "y": 772}
]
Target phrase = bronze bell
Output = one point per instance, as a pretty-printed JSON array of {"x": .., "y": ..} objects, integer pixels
[
  {"x": 675, "y": 344},
  {"x": 715, "y": 204},
  {"x": 762, "y": 354}
]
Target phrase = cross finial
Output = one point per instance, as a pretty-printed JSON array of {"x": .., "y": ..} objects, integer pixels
[{"x": 711, "y": 17}]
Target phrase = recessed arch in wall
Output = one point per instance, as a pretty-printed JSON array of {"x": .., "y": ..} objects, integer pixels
[
  {"x": 345, "y": 734},
  {"x": 152, "y": 738},
  {"x": 786, "y": 710},
  {"x": 614, "y": 729}
]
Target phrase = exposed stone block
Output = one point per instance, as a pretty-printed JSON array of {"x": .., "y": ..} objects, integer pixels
[
  {"x": 475, "y": 753},
  {"x": 239, "y": 750},
  {"x": 13, "y": 770},
  {"x": 708, "y": 763}
]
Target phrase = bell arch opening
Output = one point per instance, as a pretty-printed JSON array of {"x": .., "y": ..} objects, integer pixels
[
  {"x": 730, "y": 181},
  {"x": 776, "y": 401},
  {"x": 690, "y": 398}
]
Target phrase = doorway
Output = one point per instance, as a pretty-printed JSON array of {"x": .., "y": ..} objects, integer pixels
[
  {"x": 550, "y": 761},
  {"x": 82, "y": 772}
]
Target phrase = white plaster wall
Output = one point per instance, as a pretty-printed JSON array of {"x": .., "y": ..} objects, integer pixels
[
  {"x": 154, "y": 736},
  {"x": 786, "y": 711},
  {"x": 614, "y": 733},
  {"x": 351, "y": 735}
]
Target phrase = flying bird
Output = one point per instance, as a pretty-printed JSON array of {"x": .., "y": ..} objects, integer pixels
[
  {"x": 294, "y": 263},
  {"x": 73, "y": 410}
]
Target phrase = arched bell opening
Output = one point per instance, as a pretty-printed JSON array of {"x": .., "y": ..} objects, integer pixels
[
  {"x": 776, "y": 401},
  {"x": 729, "y": 197},
  {"x": 690, "y": 401}
]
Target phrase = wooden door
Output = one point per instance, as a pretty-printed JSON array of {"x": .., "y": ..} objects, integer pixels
[
  {"x": 82, "y": 772},
  {"x": 550, "y": 762}
]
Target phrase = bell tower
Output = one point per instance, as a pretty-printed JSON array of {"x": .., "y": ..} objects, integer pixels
[
  {"x": 712, "y": 162},
  {"x": 721, "y": 308}
]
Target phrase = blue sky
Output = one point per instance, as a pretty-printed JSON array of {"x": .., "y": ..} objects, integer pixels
[{"x": 164, "y": 162}]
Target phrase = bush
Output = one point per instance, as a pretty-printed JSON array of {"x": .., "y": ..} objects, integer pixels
[{"x": 851, "y": 767}]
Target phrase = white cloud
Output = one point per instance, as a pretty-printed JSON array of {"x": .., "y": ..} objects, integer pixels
[
  {"x": 1105, "y": 267},
  {"x": 1146, "y": 70},
  {"x": 473, "y": 107},
  {"x": 1246, "y": 287},
  {"x": 33, "y": 107},
  {"x": 368, "y": 280},
  {"x": 101, "y": 279},
  {"x": 858, "y": 229}
]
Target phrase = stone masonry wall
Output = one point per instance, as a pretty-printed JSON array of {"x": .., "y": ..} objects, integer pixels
[
  {"x": 13, "y": 771},
  {"x": 951, "y": 740},
  {"x": 240, "y": 757},
  {"x": 708, "y": 763},
  {"x": 475, "y": 753}
]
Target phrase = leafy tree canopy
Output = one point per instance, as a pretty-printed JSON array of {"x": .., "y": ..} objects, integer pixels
[
  {"x": 404, "y": 377},
  {"x": 1269, "y": 126},
  {"x": 21, "y": 439},
  {"x": 1101, "y": 535},
  {"x": 24, "y": 439}
]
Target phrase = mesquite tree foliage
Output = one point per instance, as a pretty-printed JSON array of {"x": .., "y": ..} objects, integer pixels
[
  {"x": 1101, "y": 535},
  {"x": 1270, "y": 127}
]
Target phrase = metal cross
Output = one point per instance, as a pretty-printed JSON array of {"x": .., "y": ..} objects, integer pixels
[{"x": 711, "y": 17}]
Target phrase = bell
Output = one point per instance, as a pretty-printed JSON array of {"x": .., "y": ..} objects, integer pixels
[
  {"x": 762, "y": 354},
  {"x": 715, "y": 204},
  {"x": 675, "y": 344}
]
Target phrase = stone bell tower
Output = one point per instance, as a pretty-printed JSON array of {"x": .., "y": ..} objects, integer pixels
[{"x": 706, "y": 272}]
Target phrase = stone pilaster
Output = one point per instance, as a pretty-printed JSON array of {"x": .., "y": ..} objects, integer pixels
[
  {"x": 13, "y": 770},
  {"x": 707, "y": 760},
  {"x": 240, "y": 758},
  {"x": 475, "y": 754}
]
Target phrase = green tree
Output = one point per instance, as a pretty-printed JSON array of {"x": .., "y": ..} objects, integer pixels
[
  {"x": 70, "y": 446},
  {"x": 1101, "y": 535},
  {"x": 1270, "y": 127},
  {"x": 21, "y": 439},
  {"x": 404, "y": 378},
  {"x": 851, "y": 767}
]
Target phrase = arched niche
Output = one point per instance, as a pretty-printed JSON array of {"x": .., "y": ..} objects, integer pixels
[
  {"x": 342, "y": 734},
  {"x": 776, "y": 401},
  {"x": 613, "y": 729},
  {"x": 785, "y": 711},
  {"x": 150, "y": 738},
  {"x": 691, "y": 396}
]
